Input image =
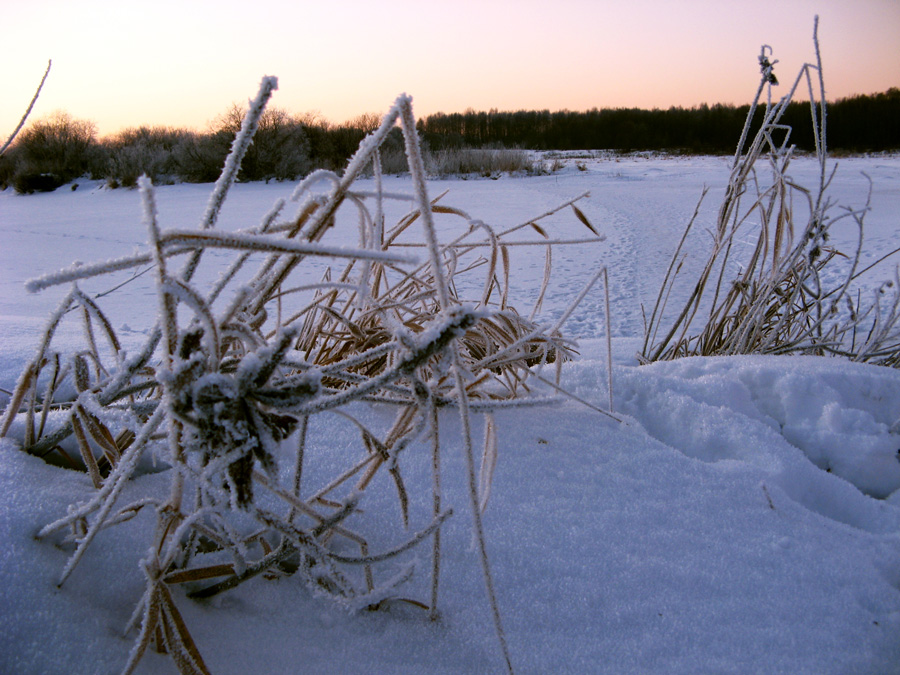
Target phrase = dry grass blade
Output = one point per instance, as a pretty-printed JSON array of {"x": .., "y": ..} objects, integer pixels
[
  {"x": 504, "y": 256},
  {"x": 87, "y": 455},
  {"x": 162, "y": 623},
  {"x": 583, "y": 218},
  {"x": 178, "y": 639},
  {"x": 23, "y": 387},
  {"x": 488, "y": 461},
  {"x": 545, "y": 282},
  {"x": 199, "y": 574},
  {"x": 100, "y": 434},
  {"x": 92, "y": 312},
  {"x": 537, "y": 228},
  {"x": 148, "y": 609}
]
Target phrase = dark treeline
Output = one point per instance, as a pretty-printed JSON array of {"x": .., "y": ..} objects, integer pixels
[
  {"x": 858, "y": 124},
  {"x": 55, "y": 150}
]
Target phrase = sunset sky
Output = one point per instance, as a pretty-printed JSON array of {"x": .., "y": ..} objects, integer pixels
[{"x": 183, "y": 62}]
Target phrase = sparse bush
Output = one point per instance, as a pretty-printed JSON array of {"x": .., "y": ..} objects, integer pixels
[
  {"x": 199, "y": 157},
  {"x": 143, "y": 151},
  {"x": 557, "y": 164},
  {"x": 59, "y": 147}
]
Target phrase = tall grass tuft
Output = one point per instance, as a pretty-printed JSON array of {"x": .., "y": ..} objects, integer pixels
[
  {"x": 484, "y": 162},
  {"x": 780, "y": 300},
  {"x": 225, "y": 387}
]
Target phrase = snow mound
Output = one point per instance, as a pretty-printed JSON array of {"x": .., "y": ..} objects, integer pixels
[
  {"x": 679, "y": 541},
  {"x": 823, "y": 430}
]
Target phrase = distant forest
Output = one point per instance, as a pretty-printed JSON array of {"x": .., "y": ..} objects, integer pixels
[
  {"x": 52, "y": 151},
  {"x": 868, "y": 123}
]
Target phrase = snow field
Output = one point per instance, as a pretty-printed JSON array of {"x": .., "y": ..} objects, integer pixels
[{"x": 744, "y": 517}]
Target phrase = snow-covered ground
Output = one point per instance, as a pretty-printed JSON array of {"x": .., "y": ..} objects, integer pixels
[{"x": 745, "y": 516}]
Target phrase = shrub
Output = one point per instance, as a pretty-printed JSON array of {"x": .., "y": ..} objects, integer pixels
[
  {"x": 280, "y": 149},
  {"x": 7, "y": 171},
  {"x": 394, "y": 162},
  {"x": 143, "y": 151},
  {"x": 393, "y": 153},
  {"x": 57, "y": 146},
  {"x": 323, "y": 151},
  {"x": 198, "y": 158},
  {"x": 27, "y": 183}
]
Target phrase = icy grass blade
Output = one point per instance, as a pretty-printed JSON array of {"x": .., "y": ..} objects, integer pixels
[
  {"x": 78, "y": 272},
  {"x": 34, "y": 99},
  {"x": 397, "y": 550},
  {"x": 238, "y": 149},
  {"x": 477, "y": 523},
  {"x": 192, "y": 239},
  {"x": 105, "y": 499},
  {"x": 417, "y": 170},
  {"x": 176, "y": 242},
  {"x": 27, "y": 382}
]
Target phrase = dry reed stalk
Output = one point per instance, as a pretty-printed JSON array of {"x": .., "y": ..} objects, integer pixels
[{"x": 778, "y": 302}]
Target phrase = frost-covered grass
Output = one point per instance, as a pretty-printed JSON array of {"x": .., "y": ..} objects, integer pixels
[
  {"x": 787, "y": 291},
  {"x": 232, "y": 375},
  {"x": 484, "y": 162}
]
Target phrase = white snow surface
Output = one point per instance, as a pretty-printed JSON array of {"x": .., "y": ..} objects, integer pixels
[{"x": 744, "y": 517}]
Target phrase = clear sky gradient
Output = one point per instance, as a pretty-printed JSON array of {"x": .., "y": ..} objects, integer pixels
[{"x": 123, "y": 63}]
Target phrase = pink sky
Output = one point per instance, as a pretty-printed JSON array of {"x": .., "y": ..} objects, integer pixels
[{"x": 182, "y": 62}]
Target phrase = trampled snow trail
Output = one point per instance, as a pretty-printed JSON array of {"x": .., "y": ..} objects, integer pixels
[{"x": 642, "y": 206}]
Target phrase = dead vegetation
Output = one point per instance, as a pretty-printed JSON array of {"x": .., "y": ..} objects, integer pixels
[
  {"x": 783, "y": 298},
  {"x": 225, "y": 387}
]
